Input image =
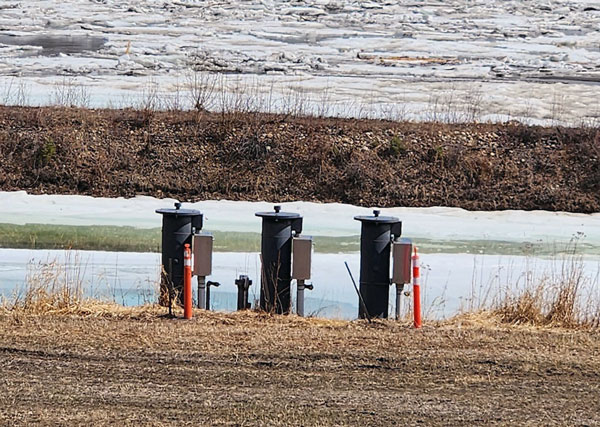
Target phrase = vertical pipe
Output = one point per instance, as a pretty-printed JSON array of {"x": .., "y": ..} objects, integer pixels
[
  {"x": 208, "y": 297},
  {"x": 177, "y": 227},
  {"x": 170, "y": 287},
  {"x": 276, "y": 249},
  {"x": 187, "y": 282},
  {"x": 416, "y": 289},
  {"x": 276, "y": 259},
  {"x": 243, "y": 283},
  {"x": 399, "y": 289},
  {"x": 375, "y": 244},
  {"x": 208, "y": 286},
  {"x": 241, "y": 295},
  {"x": 176, "y": 231},
  {"x": 202, "y": 292},
  {"x": 300, "y": 298}
]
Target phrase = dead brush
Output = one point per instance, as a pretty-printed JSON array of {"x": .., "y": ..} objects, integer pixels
[
  {"x": 57, "y": 288},
  {"x": 50, "y": 287},
  {"x": 565, "y": 298}
]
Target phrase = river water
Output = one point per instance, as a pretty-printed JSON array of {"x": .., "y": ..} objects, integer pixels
[{"x": 467, "y": 257}]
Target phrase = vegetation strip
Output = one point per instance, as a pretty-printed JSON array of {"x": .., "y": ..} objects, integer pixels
[{"x": 131, "y": 239}]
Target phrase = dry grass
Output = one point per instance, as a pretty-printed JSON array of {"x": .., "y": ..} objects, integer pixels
[
  {"x": 566, "y": 298},
  {"x": 57, "y": 288},
  {"x": 70, "y": 360},
  {"x": 251, "y": 368}
]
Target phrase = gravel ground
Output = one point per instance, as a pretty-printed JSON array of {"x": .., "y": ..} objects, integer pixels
[{"x": 252, "y": 369}]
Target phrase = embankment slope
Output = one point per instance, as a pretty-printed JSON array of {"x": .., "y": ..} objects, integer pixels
[{"x": 196, "y": 156}]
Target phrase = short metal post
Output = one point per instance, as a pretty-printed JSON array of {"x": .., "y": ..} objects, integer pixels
[
  {"x": 399, "y": 289},
  {"x": 243, "y": 284},
  {"x": 202, "y": 292},
  {"x": 300, "y": 298}
]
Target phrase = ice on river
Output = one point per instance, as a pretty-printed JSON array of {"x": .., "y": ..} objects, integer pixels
[
  {"x": 435, "y": 224},
  {"x": 455, "y": 59}
]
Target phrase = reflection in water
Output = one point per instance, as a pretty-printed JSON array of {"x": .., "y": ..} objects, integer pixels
[
  {"x": 53, "y": 45},
  {"x": 131, "y": 239}
]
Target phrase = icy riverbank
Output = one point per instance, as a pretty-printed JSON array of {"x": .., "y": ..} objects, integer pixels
[
  {"x": 455, "y": 275},
  {"x": 438, "y": 224}
]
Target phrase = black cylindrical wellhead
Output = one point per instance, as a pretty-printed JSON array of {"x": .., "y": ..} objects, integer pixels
[
  {"x": 178, "y": 225},
  {"x": 278, "y": 228},
  {"x": 377, "y": 233}
]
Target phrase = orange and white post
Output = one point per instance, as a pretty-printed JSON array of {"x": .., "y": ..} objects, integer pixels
[
  {"x": 416, "y": 289},
  {"x": 187, "y": 282}
]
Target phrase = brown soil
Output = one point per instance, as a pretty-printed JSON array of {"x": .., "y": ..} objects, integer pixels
[
  {"x": 252, "y": 369},
  {"x": 195, "y": 156}
]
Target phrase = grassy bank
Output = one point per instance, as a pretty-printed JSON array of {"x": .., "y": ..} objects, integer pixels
[
  {"x": 247, "y": 156},
  {"x": 130, "y": 239}
]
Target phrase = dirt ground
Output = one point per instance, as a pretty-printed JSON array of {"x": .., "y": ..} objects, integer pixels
[
  {"x": 252, "y": 369},
  {"x": 194, "y": 156}
]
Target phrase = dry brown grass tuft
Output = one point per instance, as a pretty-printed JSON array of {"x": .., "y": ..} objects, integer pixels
[
  {"x": 50, "y": 287},
  {"x": 56, "y": 288},
  {"x": 566, "y": 298}
]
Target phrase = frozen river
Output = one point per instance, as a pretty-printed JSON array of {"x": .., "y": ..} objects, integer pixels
[
  {"x": 535, "y": 60},
  {"x": 459, "y": 271}
]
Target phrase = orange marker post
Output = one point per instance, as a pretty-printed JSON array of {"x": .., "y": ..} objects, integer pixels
[
  {"x": 187, "y": 282},
  {"x": 416, "y": 289}
]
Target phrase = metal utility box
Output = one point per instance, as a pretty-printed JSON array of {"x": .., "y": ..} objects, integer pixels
[
  {"x": 202, "y": 248},
  {"x": 377, "y": 234},
  {"x": 278, "y": 229},
  {"x": 402, "y": 261},
  {"x": 301, "y": 257},
  {"x": 178, "y": 225}
]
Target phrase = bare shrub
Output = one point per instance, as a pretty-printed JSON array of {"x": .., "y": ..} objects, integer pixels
[
  {"x": 14, "y": 93},
  {"x": 201, "y": 88},
  {"x": 69, "y": 93},
  {"x": 150, "y": 99}
]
